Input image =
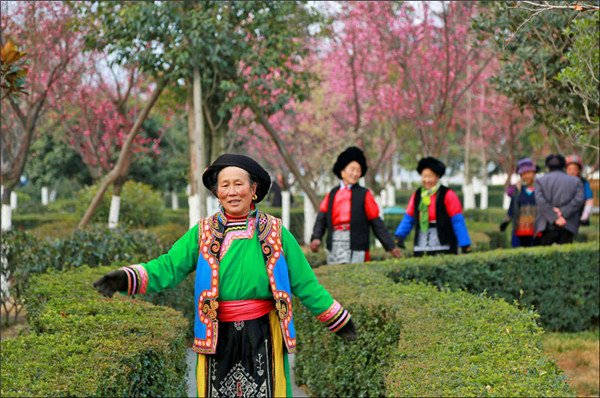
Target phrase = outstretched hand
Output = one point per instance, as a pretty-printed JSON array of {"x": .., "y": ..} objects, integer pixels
[
  {"x": 314, "y": 245},
  {"x": 396, "y": 252},
  {"x": 348, "y": 331},
  {"x": 112, "y": 282}
]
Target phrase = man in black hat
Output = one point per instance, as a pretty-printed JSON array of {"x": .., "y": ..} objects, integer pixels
[
  {"x": 559, "y": 198},
  {"x": 346, "y": 213}
]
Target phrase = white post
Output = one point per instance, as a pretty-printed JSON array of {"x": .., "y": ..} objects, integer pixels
[
  {"x": 468, "y": 197},
  {"x": 285, "y": 208},
  {"x": 174, "y": 200},
  {"x": 52, "y": 195},
  {"x": 391, "y": 195},
  {"x": 113, "y": 216},
  {"x": 4, "y": 282},
  {"x": 309, "y": 219},
  {"x": 13, "y": 200},
  {"x": 212, "y": 205},
  {"x": 383, "y": 199},
  {"x": 44, "y": 196},
  {"x": 6, "y": 217},
  {"x": 194, "y": 210},
  {"x": 378, "y": 200},
  {"x": 483, "y": 203},
  {"x": 505, "y": 201}
]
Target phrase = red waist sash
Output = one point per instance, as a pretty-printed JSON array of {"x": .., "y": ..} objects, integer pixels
[
  {"x": 342, "y": 227},
  {"x": 244, "y": 310}
]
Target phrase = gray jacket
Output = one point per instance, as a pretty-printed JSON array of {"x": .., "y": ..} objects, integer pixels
[{"x": 558, "y": 189}]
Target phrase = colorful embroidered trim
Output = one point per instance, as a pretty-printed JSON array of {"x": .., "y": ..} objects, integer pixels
[
  {"x": 207, "y": 304},
  {"x": 234, "y": 231},
  {"x": 335, "y": 317},
  {"x": 137, "y": 279}
]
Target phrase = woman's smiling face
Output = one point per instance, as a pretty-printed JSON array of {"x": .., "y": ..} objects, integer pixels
[{"x": 234, "y": 191}]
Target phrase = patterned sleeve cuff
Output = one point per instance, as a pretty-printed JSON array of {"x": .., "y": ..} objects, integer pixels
[
  {"x": 137, "y": 279},
  {"x": 335, "y": 317}
]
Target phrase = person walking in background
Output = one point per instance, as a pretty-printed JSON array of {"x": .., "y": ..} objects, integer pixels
[
  {"x": 275, "y": 193},
  {"x": 559, "y": 198},
  {"x": 347, "y": 212},
  {"x": 436, "y": 212},
  {"x": 522, "y": 205},
  {"x": 247, "y": 266},
  {"x": 574, "y": 167}
]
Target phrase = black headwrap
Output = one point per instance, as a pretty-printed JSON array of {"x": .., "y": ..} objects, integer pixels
[
  {"x": 258, "y": 173},
  {"x": 350, "y": 154},
  {"x": 433, "y": 164}
]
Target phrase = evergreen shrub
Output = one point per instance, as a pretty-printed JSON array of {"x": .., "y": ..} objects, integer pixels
[
  {"x": 560, "y": 282},
  {"x": 25, "y": 254},
  {"x": 181, "y": 298},
  {"x": 34, "y": 220},
  {"x": 493, "y": 215},
  {"x": 140, "y": 205},
  {"x": 414, "y": 340},
  {"x": 168, "y": 234},
  {"x": 83, "y": 344}
]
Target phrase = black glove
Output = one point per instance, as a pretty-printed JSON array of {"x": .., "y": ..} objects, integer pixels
[
  {"x": 504, "y": 225},
  {"x": 584, "y": 223},
  {"x": 400, "y": 242},
  {"x": 466, "y": 249},
  {"x": 112, "y": 282},
  {"x": 348, "y": 331}
]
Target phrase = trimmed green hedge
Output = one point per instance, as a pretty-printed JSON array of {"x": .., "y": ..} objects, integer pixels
[
  {"x": 26, "y": 254},
  {"x": 560, "y": 282},
  {"x": 82, "y": 344},
  {"x": 417, "y": 341}
]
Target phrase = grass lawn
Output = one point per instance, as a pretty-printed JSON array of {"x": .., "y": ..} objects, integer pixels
[{"x": 577, "y": 354}]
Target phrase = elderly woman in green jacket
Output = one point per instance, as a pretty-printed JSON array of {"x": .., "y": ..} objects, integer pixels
[{"x": 247, "y": 266}]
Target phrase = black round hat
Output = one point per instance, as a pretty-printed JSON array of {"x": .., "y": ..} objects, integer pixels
[
  {"x": 350, "y": 154},
  {"x": 433, "y": 164},
  {"x": 259, "y": 174}
]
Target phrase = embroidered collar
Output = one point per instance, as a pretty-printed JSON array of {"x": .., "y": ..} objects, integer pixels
[{"x": 221, "y": 219}]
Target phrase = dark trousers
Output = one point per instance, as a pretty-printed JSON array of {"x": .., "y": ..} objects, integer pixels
[
  {"x": 433, "y": 253},
  {"x": 528, "y": 241},
  {"x": 556, "y": 234}
]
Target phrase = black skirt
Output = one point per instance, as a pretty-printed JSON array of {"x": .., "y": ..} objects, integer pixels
[{"x": 243, "y": 364}]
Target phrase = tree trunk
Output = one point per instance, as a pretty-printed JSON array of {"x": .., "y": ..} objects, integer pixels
[
  {"x": 115, "y": 201},
  {"x": 122, "y": 162},
  {"x": 310, "y": 193},
  {"x": 199, "y": 133},
  {"x": 468, "y": 196},
  {"x": 45, "y": 196},
  {"x": 6, "y": 209},
  {"x": 483, "y": 200},
  {"x": 193, "y": 211}
]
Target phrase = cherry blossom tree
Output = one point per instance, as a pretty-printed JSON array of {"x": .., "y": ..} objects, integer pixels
[{"x": 52, "y": 62}]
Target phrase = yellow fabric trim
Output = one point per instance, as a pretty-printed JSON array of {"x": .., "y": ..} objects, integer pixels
[
  {"x": 279, "y": 388},
  {"x": 201, "y": 376}
]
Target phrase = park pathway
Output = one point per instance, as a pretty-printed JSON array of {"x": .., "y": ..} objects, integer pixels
[{"x": 191, "y": 361}]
